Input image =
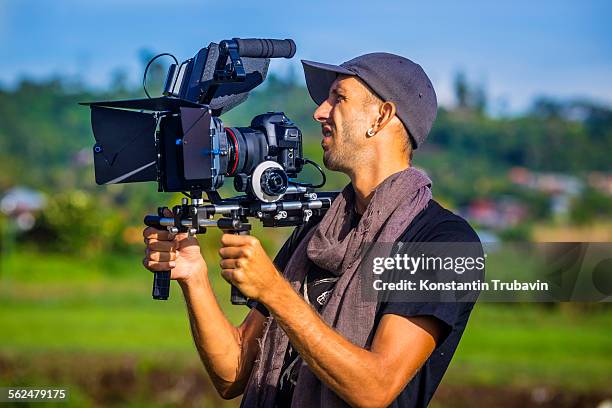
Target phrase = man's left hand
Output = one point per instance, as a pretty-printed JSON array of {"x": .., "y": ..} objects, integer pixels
[{"x": 245, "y": 264}]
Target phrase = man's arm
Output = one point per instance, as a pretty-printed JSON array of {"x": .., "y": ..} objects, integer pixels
[
  {"x": 227, "y": 352},
  {"x": 367, "y": 378}
]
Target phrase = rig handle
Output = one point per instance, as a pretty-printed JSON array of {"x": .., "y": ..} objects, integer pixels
[
  {"x": 161, "y": 280},
  {"x": 237, "y": 297},
  {"x": 161, "y": 285}
]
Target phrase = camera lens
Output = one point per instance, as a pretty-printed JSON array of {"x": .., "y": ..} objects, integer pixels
[
  {"x": 274, "y": 182},
  {"x": 246, "y": 149}
]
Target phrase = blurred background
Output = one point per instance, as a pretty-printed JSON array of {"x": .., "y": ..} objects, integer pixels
[{"x": 521, "y": 148}]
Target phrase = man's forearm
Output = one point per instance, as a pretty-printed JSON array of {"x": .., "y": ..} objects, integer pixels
[
  {"x": 217, "y": 340},
  {"x": 354, "y": 373}
]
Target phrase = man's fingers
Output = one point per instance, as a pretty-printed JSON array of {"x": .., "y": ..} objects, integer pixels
[
  {"x": 234, "y": 240},
  {"x": 163, "y": 246},
  {"x": 227, "y": 274},
  {"x": 232, "y": 276},
  {"x": 181, "y": 236},
  {"x": 231, "y": 252},
  {"x": 155, "y": 266},
  {"x": 230, "y": 264},
  {"x": 162, "y": 256},
  {"x": 154, "y": 233}
]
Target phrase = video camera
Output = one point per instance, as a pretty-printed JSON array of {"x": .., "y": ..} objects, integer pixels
[{"x": 179, "y": 141}]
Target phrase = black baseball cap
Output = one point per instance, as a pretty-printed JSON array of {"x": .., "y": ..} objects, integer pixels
[{"x": 393, "y": 78}]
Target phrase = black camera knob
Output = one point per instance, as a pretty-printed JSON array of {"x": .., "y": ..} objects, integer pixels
[
  {"x": 274, "y": 181},
  {"x": 241, "y": 182}
]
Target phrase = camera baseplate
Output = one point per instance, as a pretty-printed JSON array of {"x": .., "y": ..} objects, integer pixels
[{"x": 296, "y": 208}]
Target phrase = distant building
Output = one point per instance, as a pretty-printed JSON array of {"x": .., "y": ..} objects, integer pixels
[
  {"x": 601, "y": 182},
  {"x": 560, "y": 187},
  {"x": 496, "y": 214},
  {"x": 549, "y": 183},
  {"x": 83, "y": 157},
  {"x": 21, "y": 204}
]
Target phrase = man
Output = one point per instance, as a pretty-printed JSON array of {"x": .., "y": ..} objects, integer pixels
[{"x": 309, "y": 340}]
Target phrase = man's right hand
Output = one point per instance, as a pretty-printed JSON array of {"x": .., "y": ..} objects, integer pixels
[{"x": 176, "y": 252}]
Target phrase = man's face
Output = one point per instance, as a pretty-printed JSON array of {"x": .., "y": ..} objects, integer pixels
[{"x": 345, "y": 117}]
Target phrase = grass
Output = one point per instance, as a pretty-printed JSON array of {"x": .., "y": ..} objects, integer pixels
[
  {"x": 59, "y": 308},
  {"x": 523, "y": 345},
  {"x": 54, "y": 303}
]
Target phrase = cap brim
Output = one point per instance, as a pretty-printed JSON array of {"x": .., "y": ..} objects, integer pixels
[{"x": 319, "y": 78}]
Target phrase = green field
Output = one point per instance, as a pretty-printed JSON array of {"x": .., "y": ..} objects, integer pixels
[{"x": 91, "y": 325}]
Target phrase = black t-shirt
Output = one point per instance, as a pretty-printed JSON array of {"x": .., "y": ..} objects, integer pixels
[{"x": 433, "y": 224}]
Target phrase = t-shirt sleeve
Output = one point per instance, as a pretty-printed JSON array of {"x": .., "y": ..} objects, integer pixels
[{"x": 452, "y": 315}]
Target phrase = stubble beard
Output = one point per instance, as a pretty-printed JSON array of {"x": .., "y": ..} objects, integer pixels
[{"x": 342, "y": 156}]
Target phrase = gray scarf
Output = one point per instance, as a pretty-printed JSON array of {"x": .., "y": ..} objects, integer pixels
[{"x": 334, "y": 246}]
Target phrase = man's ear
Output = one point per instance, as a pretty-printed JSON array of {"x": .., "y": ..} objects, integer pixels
[{"x": 386, "y": 112}]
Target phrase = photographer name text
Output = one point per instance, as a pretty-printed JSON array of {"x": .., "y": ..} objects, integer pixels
[{"x": 427, "y": 285}]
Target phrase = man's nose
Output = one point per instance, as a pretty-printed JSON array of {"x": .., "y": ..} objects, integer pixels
[{"x": 321, "y": 114}]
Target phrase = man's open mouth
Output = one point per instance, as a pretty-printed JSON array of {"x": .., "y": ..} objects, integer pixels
[{"x": 326, "y": 131}]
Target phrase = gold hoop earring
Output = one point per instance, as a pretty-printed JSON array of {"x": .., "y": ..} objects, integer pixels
[{"x": 371, "y": 132}]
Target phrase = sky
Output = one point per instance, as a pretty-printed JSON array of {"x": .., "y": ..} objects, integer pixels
[{"x": 516, "y": 50}]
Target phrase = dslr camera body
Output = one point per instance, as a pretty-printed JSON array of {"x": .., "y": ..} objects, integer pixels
[{"x": 179, "y": 141}]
